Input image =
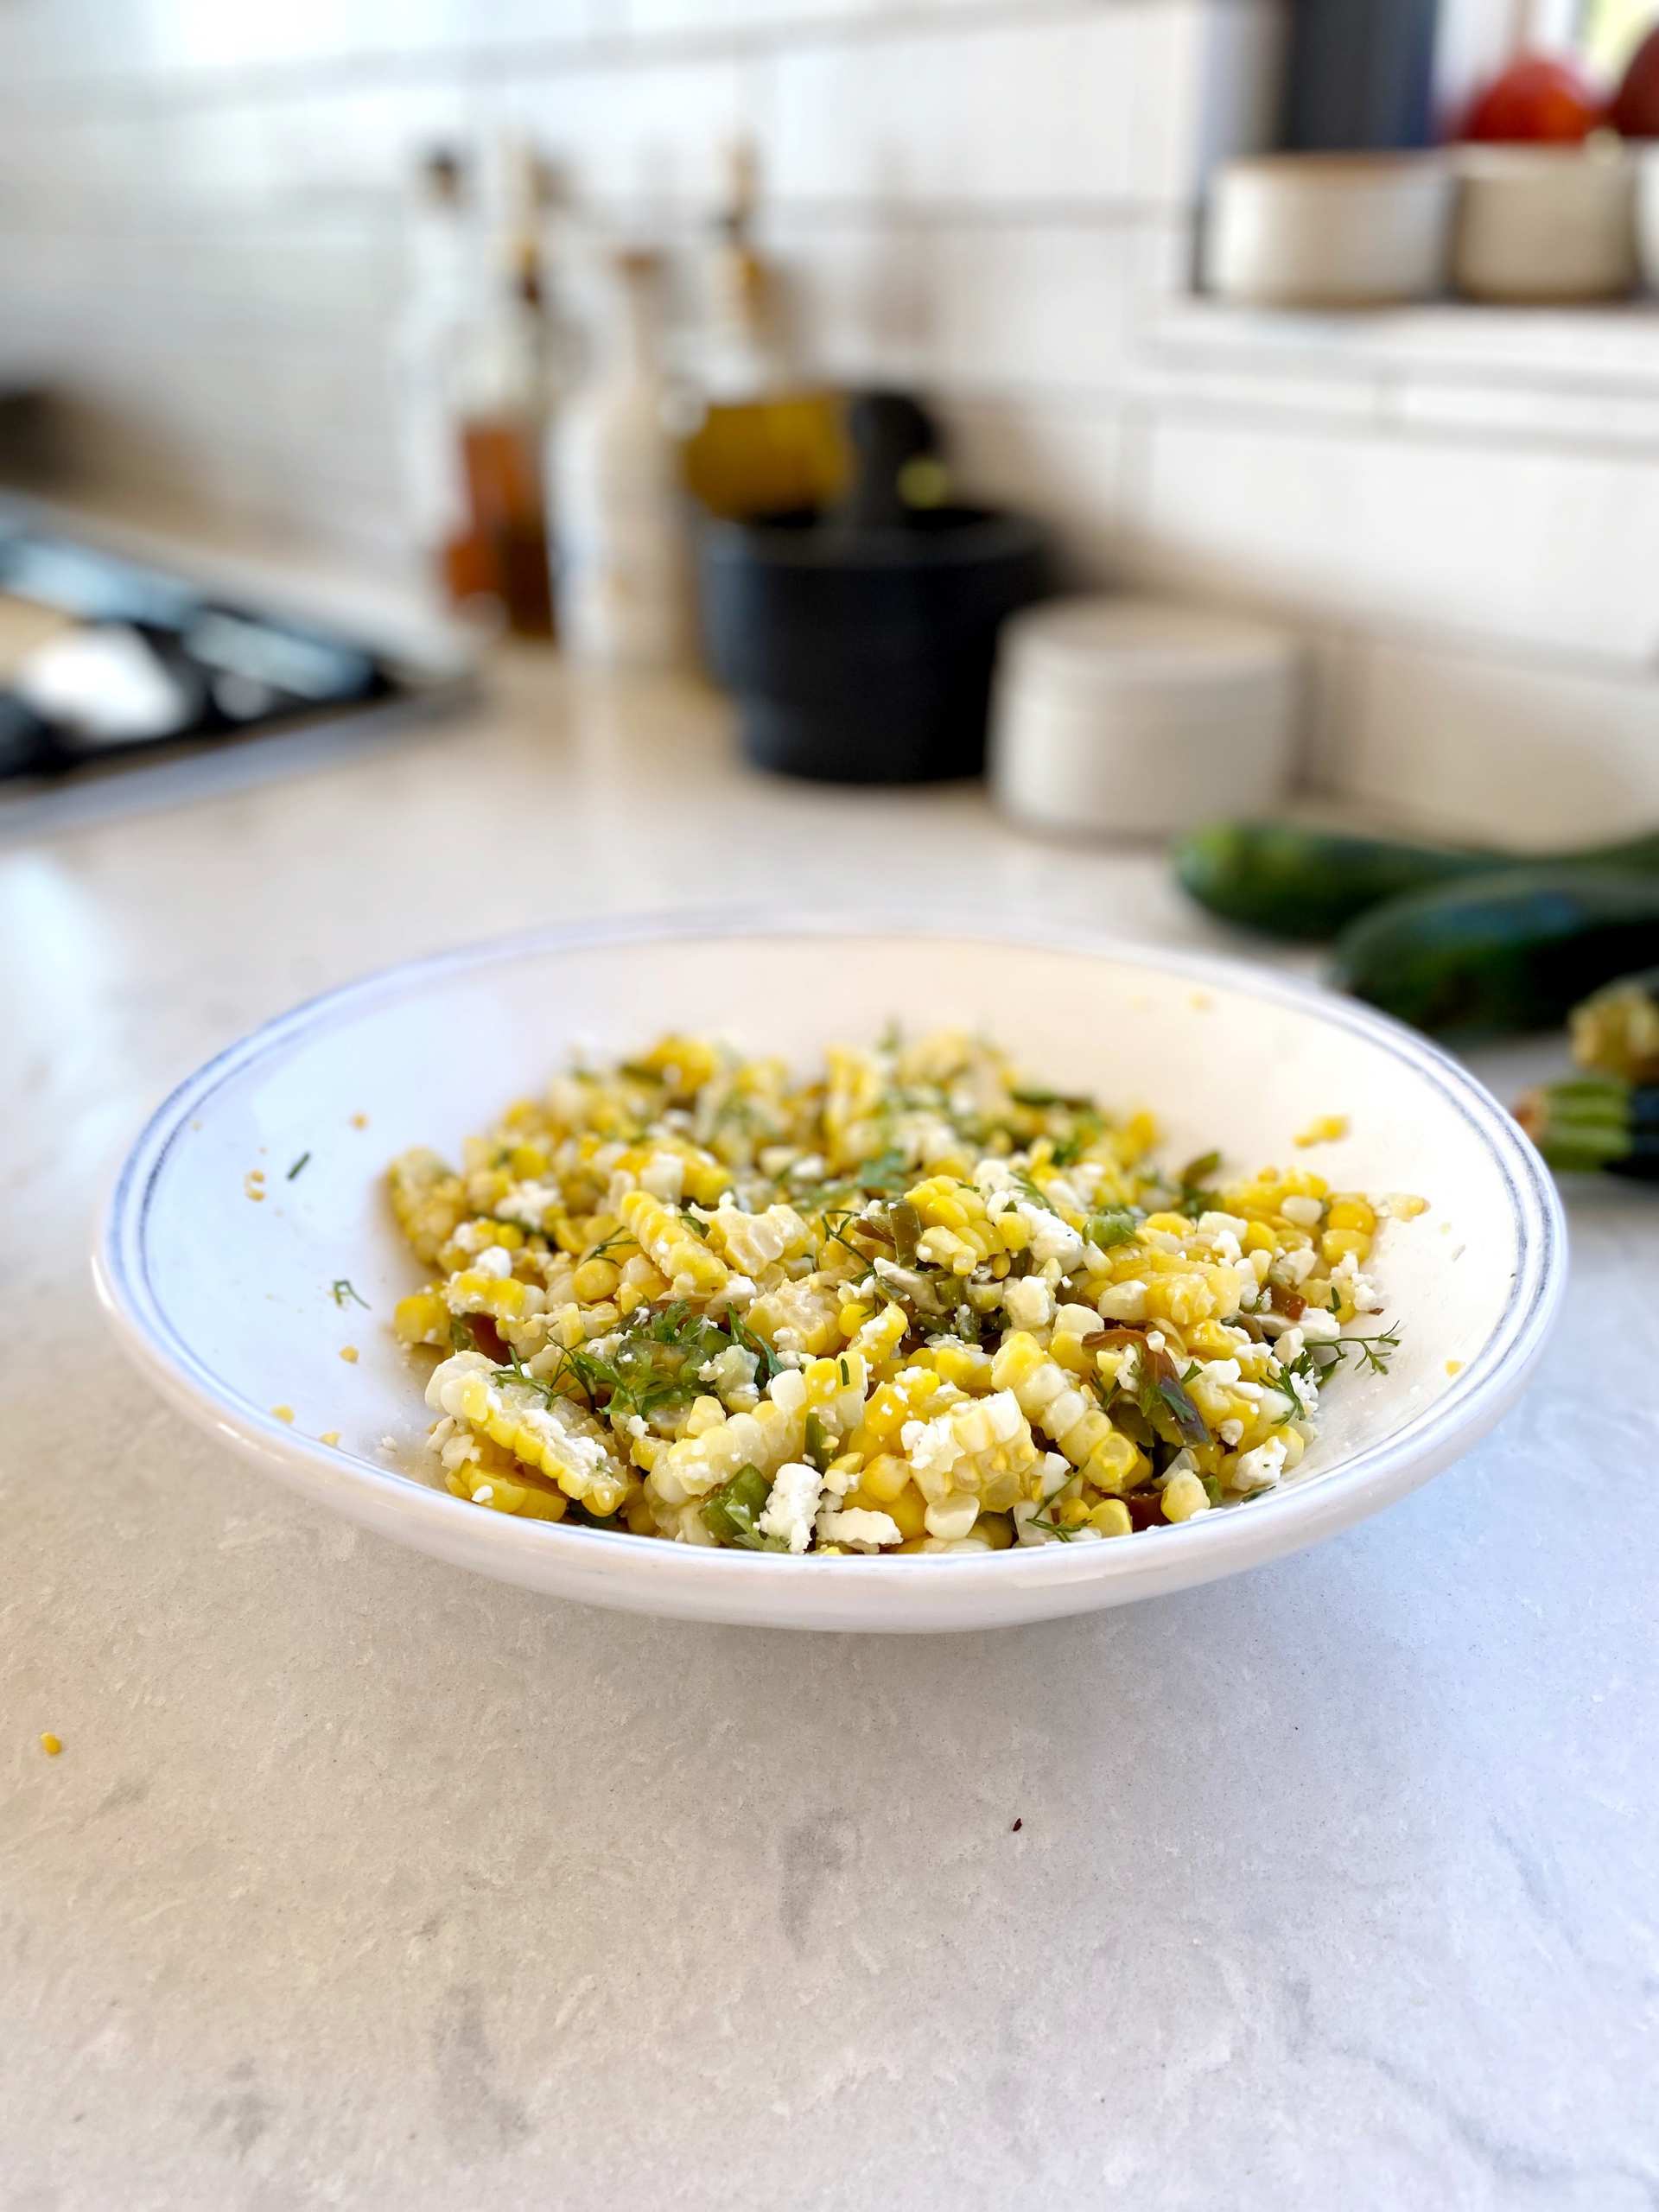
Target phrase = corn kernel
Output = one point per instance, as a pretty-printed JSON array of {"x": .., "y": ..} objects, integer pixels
[
  {"x": 1111, "y": 1517},
  {"x": 909, "y": 1509},
  {"x": 349, "y": 1354},
  {"x": 1185, "y": 1496},
  {"x": 51, "y": 1744}
]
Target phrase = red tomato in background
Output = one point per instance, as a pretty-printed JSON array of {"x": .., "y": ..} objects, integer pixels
[
  {"x": 1636, "y": 108},
  {"x": 1537, "y": 100}
]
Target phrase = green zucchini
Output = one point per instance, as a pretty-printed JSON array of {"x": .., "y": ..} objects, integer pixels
[
  {"x": 1289, "y": 879},
  {"x": 1595, "y": 1122},
  {"x": 1501, "y": 953}
]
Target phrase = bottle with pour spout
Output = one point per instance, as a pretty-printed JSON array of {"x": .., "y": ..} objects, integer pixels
[
  {"x": 766, "y": 441},
  {"x": 621, "y": 570}
]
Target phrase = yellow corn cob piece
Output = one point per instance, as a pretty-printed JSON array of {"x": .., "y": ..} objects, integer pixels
[
  {"x": 685, "y": 1063},
  {"x": 956, "y": 1231},
  {"x": 804, "y": 1316},
  {"x": 428, "y": 1200},
  {"x": 1051, "y": 1402},
  {"x": 879, "y": 1337},
  {"x": 964, "y": 1366},
  {"x": 774, "y": 1432},
  {"x": 554, "y": 1436},
  {"x": 853, "y": 1090},
  {"x": 910, "y": 1395},
  {"x": 421, "y": 1318},
  {"x": 501, "y": 1494},
  {"x": 503, "y": 1297},
  {"x": 968, "y": 1444},
  {"x": 752, "y": 1243},
  {"x": 691, "y": 1269}
]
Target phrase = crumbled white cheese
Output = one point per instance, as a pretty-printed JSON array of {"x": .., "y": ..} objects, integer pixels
[
  {"x": 1231, "y": 1433},
  {"x": 1261, "y": 1468},
  {"x": 1222, "y": 1225},
  {"x": 859, "y": 1528},
  {"x": 494, "y": 1261},
  {"x": 1306, "y": 1213},
  {"x": 1029, "y": 1303},
  {"x": 790, "y": 1509},
  {"x": 1294, "y": 1267},
  {"x": 1361, "y": 1292},
  {"x": 528, "y": 1203},
  {"x": 1052, "y": 1239},
  {"x": 663, "y": 1176},
  {"x": 1319, "y": 1326}
]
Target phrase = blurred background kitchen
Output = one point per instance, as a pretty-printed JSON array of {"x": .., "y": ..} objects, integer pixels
[{"x": 805, "y": 342}]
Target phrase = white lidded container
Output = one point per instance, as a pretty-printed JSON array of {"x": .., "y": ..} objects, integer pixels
[
  {"x": 1329, "y": 229},
  {"x": 1131, "y": 716},
  {"x": 1541, "y": 224}
]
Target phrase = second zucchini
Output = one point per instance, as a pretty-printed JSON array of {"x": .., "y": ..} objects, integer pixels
[{"x": 1501, "y": 953}]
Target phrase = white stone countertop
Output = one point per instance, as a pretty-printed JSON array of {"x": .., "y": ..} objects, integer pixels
[{"x": 363, "y": 1883}]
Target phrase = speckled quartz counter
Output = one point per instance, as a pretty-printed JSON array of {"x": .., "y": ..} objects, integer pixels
[{"x": 363, "y": 1883}]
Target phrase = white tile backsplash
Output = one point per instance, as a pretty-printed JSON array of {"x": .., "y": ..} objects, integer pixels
[
  {"x": 1470, "y": 746},
  {"x": 201, "y": 241},
  {"x": 1539, "y": 549},
  {"x": 983, "y": 113}
]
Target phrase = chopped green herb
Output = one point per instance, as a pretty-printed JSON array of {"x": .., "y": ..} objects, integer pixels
[
  {"x": 340, "y": 1289},
  {"x": 888, "y": 1171},
  {"x": 1073, "y": 1101},
  {"x": 1035, "y": 1191},
  {"x": 298, "y": 1164},
  {"x": 1082, "y": 1134},
  {"x": 1052, "y": 1527},
  {"x": 1374, "y": 1352},
  {"x": 745, "y": 1336},
  {"x": 611, "y": 1243},
  {"x": 1112, "y": 1225}
]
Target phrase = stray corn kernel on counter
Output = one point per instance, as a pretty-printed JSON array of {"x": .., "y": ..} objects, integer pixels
[{"x": 917, "y": 1304}]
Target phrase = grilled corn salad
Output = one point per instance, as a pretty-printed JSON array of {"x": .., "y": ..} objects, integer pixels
[{"x": 917, "y": 1304}]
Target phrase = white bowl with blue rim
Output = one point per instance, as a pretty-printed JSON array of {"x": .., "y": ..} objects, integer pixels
[{"x": 232, "y": 1307}]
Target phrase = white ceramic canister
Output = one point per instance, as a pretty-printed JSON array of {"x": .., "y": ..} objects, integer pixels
[
  {"x": 1137, "y": 716},
  {"x": 1542, "y": 224},
  {"x": 1329, "y": 229}
]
